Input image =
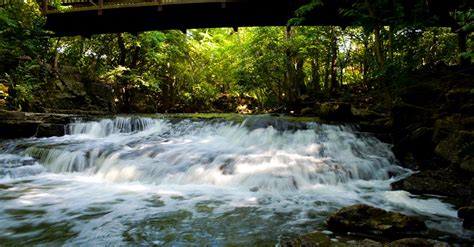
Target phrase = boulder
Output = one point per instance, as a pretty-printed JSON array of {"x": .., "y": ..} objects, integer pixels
[
  {"x": 308, "y": 111},
  {"x": 415, "y": 148},
  {"x": 407, "y": 118},
  {"x": 468, "y": 164},
  {"x": 334, "y": 111},
  {"x": 444, "y": 127},
  {"x": 404, "y": 115},
  {"x": 460, "y": 100},
  {"x": 467, "y": 214},
  {"x": 369, "y": 243},
  {"x": 370, "y": 220},
  {"x": 445, "y": 182},
  {"x": 458, "y": 148}
]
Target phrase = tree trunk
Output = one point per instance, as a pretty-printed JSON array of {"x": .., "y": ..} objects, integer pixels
[
  {"x": 462, "y": 45},
  {"x": 315, "y": 86},
  {"x": 365, "y": 64},
  {"x": 328, "y": 70},
  {"x": 378, "y": 48},
  {"x": 122, "y": 48},
  {"x": 390, "y": 42},
  {"x": 334, "y": 83},
  {"x": 56, "y": 56},
  {"x": 378, "y": 40}
]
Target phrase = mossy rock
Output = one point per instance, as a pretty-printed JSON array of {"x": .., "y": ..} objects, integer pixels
[
  {"x": 334, "y": 111},
  {"x": 370, "y": 220}
]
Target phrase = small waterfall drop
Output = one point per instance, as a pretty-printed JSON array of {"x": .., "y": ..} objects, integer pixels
[{"x": 221, "y": 153}]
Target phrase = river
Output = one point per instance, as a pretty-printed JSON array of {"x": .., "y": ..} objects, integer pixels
[{"x": 134, "y": 180}]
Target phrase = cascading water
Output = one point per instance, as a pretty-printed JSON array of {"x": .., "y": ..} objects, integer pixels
[{"x": 156, "y": 181}]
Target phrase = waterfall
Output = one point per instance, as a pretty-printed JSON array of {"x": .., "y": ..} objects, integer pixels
[{"x": 219, "y": 153}]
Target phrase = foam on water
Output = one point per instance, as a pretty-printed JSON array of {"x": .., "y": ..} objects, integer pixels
[{"x": 139, "y": 180}]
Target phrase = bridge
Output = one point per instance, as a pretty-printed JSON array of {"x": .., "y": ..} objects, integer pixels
[{"x": 87, "y": 17}]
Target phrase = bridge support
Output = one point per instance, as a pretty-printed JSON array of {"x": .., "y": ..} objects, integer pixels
[
  {"x": 45, "y": 7},
  {"x": 101, "y": 6},
  {"x": 160, "y": 4}
]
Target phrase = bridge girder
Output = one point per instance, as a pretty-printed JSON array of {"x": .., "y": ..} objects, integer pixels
[{"x": 230, "y": 13}]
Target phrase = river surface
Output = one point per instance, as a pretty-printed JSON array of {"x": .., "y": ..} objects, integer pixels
[{"x": 132, "y": 180}]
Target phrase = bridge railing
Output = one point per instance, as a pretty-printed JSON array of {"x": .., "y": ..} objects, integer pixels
[{"x": 55, "y": 6}]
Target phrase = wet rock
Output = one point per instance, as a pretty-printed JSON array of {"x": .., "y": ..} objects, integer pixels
[
  {"x": 366, "y": 219},
  {"x": 458, "y": 148},
  {"x": 467, "y": 214},
  {"x": 11, "y": 129},
  {"x": 48, "y": 130},
  {"x": 445, "y": 182},
  {"x": 471, "y": 187},
  {"x": 12, "y": 161},
  {"x": 369, "y": 243},
  {"x": 25, "y": 124},
  {"x": 416, "y": 242},
  {"x": 310, "y": 239},
  {"x": 334, "y": 111}
]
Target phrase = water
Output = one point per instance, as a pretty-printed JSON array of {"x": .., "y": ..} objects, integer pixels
[{"x": 159, "y": 181}]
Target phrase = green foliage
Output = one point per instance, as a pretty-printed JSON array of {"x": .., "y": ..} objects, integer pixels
[
  {"x": 465, "y": 20},
  {"x": 21, "y": 30},
  {"x": 302, "y": 12},
  {"x": 23, "y": 42},
  {"x": 276, "y": 66},
  {"x": 23, "y": 82}
]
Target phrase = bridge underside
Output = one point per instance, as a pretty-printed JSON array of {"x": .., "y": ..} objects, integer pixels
[{"x": 201, "y": 15}]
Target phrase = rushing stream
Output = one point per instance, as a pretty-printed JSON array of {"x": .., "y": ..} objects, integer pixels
[{"x": 159, "y": 181}]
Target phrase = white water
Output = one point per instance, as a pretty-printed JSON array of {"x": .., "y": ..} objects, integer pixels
[{"x": 142, "y": 181}]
